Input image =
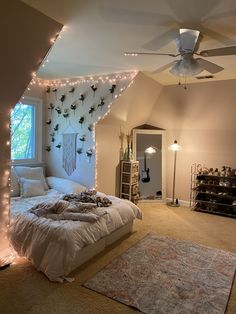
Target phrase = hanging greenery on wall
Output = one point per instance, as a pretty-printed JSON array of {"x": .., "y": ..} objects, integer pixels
[
  {"x": 83, "y": 98},
  {"x": 94, "y": 88},
  {"x": 58, "y": 110}
]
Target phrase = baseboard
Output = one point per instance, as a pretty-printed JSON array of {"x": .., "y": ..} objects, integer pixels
[{"x": 181, "y": 202}]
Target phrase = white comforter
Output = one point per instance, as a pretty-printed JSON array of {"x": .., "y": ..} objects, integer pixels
[{"x": 52, "y": 245}]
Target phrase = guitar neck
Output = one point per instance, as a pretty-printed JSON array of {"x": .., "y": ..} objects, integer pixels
[{"x": 145, "y": 162}]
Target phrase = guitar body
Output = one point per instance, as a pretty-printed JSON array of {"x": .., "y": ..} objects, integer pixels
[{"x": 145, "y": 175}]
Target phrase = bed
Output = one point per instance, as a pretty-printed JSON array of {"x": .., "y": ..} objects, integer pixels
[{"x": 58, "y": 247}]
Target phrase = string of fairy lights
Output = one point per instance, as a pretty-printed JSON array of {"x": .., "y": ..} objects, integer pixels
[{"x": 58, "y": 83}]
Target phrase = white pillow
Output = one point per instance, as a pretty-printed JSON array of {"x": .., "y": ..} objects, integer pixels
[
  {"x": 30, "y": 188},
  {"x": 15, "y": 187},
  {"x": 65, "y": 185},
  {"x": 33, "y": 173}
]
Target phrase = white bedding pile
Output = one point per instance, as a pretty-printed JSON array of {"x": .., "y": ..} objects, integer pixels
[{"x": 52, "y": 245}]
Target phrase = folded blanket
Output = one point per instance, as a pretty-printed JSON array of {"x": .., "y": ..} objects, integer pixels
[{"x": 64, "y": 210}]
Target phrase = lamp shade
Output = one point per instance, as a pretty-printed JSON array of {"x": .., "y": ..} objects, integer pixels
[
  {"x": 175, "y": 146},
  {"x": 186, "y": 67},
  {"x": 151, "y": 150}
]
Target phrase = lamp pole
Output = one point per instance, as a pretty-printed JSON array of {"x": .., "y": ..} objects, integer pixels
[
  {"x": 173, "y": 195},
  {"x": 175, "y": 147}
]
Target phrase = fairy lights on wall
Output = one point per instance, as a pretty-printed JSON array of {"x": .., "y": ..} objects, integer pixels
[{"x": 6, "y": 254}]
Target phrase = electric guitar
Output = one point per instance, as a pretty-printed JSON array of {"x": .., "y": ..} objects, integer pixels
[{"x": 145, "y": 172}]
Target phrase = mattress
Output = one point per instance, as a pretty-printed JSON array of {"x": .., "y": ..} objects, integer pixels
[{"x": 52, "y": 246}]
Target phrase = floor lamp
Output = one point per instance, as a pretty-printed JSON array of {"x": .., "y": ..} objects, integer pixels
[{"x": 174, "y": 147}]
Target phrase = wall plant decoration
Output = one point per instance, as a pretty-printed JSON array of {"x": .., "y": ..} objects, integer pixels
[
  {"x": 56, "y": 127},
  {"x": 73, "y": 107},
  {"x": 58, "y": 145},
  {"x": 62, "y": 99},
  {"x": 52, "y": 137},
  {"x": 51, "y": 107},
  {"x": 49, "y": 121},
  {"x": 81, "y": 121},
  {"x": 48, "y": 148},
  {"x": 79, "y": 151},
  {"x": 48, "y": 89},
  {"x": 102, "y": 103},
  {"x": 89, "y": 154},
  {"x": 58, "y": 110},
  {"x": 55, "y": 92},
  {"x": 94, "y": 88},
  {"x": 71, "y": 90},
  {"x": 66, "y": 113},
  {"x": 91, "y": 127},
  {"x": 112, "y": 89},
  {"x": 82, "y": 98},
  {"x": 82, "y": 139},
  {"x": 91, "y": 110}
]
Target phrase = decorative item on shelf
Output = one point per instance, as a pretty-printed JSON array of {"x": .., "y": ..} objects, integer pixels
[
  {"x": 62, "y": 99},
  {"x": 56, "y": 127},
  {"x": 49, "y": 121},
  {"x": 79, "y": 151},
  {"x": 66, "y": 113},
  {"x": 48, "y": 148},
  {"x": 73, "y": 107},
  {"x": 91, "y": 127},
  {"x": 223, "y": 171},
  {"x": 121, "y": 137},
  {"x": 71, "y": 90},
  {"x": 91, "y": 110},
  {"x": 48, "y": 89},
  {"x": 228, "y": 172},
  {"x": 89, "y": 154},
  {"x": 81, "y": 121},
  {"x": 82, "y": 98},
  {"x": 102, "y": 103},
  {"x": 128, "y": 152},
  {"x": 174, "y": 147},
  {"x": 94, "y": 88},
  {"x": 112, "y": 89},
  {"x": 55, "y": 92},
  {"x": 58, "y": 110},
  {"x": 51, "y": 107},
  {"x": 58, "y": 145},
  {"x": 216, "y": 172}
]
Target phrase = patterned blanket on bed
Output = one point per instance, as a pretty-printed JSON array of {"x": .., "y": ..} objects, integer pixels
[
  {"x": 88, "y": 197},
  {"x": 81, "y": 207}
]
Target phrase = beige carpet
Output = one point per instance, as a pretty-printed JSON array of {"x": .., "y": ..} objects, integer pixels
[{"x": 24, "y": 290}]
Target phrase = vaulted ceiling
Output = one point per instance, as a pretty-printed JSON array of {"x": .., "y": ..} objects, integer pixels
[{"x": 98, "y": 32}]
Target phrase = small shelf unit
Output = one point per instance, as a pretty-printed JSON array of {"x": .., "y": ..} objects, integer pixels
[{"x": 129, "y": 172}]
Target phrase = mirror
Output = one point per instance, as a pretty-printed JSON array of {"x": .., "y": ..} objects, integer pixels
[{"x": 149, "y": 150}]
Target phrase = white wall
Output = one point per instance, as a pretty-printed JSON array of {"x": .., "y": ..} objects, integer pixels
[
  {"x": 130, "y": 110},
  {"x": 202, "y": 119}
]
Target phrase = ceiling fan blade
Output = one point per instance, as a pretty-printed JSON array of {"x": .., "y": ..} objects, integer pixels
[
  {"x": 187, "y": 39},
  {"x": 225, "y": 51},
  {"x": 164, "y": 67},
  {"x": 209, "y": 66},
  {"x": 135, "y": 54}
]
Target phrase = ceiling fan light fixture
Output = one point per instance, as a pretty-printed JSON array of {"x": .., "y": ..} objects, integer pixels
[{"x": 186, "y": 67}]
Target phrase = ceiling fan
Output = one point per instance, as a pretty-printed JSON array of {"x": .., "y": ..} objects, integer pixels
[{"x": 187, "y": 46}]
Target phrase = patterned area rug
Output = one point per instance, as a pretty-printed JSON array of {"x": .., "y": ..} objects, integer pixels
[{"x": 164, "y": 275}]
